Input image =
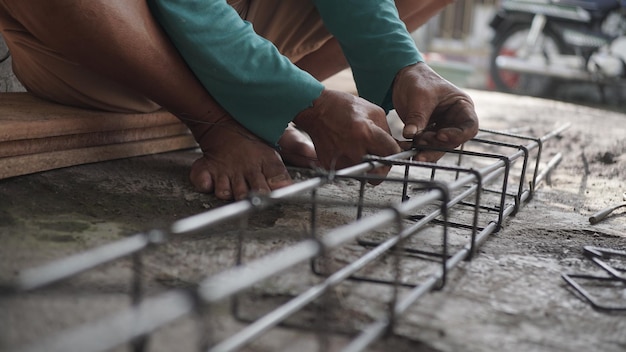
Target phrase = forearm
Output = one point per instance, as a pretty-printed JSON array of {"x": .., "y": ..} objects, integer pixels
[
  {"x": 375, "y": 42},
  {"x": 244, "y": 72}
]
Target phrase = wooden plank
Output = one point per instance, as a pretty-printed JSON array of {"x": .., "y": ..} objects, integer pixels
[
  {"x": 31, "y": 163},
  {"x": 75, "y": 141},
  {"x": 23, "y": 116}
]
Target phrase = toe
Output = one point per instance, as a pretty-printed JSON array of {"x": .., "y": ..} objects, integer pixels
[
  {"x": 258, "y": 183},
  {"x": 200, "y": 176},
  {"x": 279, "y": 181},
  {"x": 239, "y": 187},
  {"x": 222, "y": 188}
]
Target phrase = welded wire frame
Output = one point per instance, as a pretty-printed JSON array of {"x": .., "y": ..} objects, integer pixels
[{"x": 484, "y": 185}]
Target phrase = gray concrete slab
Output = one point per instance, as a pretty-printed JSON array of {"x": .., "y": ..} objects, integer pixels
[{"x": 509, "y": 298}]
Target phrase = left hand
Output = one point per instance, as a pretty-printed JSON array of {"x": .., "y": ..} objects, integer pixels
[{"x": 435, "y": 112}]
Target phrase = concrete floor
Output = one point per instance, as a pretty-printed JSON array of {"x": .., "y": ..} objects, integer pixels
[{"x": 509, "y": 298}]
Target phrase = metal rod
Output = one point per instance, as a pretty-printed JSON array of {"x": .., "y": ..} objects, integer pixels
[
  {"x": 215, "y": 216},
  {"x": 376, "y": 329},
  {"x": 38, "y": 277},
  {"x": 151, "y": 313},
  {"x": 546, "y": 171},
  {"x": 120, "y": 327},
  {"x": 275, "y": 317}
]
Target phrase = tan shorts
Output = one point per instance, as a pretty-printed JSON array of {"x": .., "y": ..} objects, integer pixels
[{"x": 294, "y": 27}]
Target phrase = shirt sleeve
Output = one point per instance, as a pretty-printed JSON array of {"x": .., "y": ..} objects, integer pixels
[
  {"x": 374, "y": 40},
  {"x": 244, "y": 72}
]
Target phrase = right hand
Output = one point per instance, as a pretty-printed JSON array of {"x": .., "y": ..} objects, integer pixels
[
  {"x": 435, "y": 112},
  {"x": 344, "y": 128}
]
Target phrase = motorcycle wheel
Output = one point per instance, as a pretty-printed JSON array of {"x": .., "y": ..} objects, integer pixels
[{"x": 510, "y": 43}]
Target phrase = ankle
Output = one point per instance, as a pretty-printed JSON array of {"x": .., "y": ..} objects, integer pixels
[{"x": 202, "y": 127}]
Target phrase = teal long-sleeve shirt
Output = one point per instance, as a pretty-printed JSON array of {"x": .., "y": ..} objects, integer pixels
[{"x": 262, "y": 89}]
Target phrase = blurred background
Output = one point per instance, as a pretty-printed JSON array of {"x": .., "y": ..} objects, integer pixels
[{"x": 457, "y": 43}]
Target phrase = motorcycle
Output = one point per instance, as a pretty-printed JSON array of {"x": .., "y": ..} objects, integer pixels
[{"x": 541, "y": 43}]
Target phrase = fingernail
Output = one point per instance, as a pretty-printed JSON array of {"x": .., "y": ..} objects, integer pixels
[{"x": 409, "y": 131}]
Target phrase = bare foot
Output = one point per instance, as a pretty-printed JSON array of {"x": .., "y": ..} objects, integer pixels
[{"x": 236, "y": 162}]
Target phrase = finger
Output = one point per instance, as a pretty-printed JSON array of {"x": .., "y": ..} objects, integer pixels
[
  {"x": 405, "y": 145},
  {"x": 412, "y": 128},
  {"x": 383, "y": 144},
  {"x": 429, "y": 156},
  {"x": 453, "y": 137},
  {"x": 384, "y": 125},
  {"x": 450, "y": 138},
  {"x": 416, "y": 118},
  {"x": 379, "y": 172},
  {"x": 345, "y": 160},
  {"x": 459, "y": 123},
  {"x": 424, "y": 141},
  {"x": 377, "y": 116}
]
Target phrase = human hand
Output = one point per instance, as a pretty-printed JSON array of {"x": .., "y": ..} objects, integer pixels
[
  {"x": 344, "y": 128},
  {"x": 434, "y": 111}
]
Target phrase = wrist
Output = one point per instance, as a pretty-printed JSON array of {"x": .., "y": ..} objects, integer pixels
[
  {"x": 407, "y": 70},
  {"x": 308, "y": 118}
]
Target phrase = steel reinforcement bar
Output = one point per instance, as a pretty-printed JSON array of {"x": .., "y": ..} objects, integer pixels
[{"x": 465, "y": 200}]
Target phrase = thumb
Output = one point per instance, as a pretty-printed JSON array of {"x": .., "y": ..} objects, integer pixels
[
  {"x": 415, "y": 118},
  {"x": 410, "y": 130},
  {"x": 415, "y": 126}
]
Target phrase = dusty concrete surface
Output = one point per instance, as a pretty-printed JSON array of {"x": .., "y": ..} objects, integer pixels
[{"x": 509, "y": 298}]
